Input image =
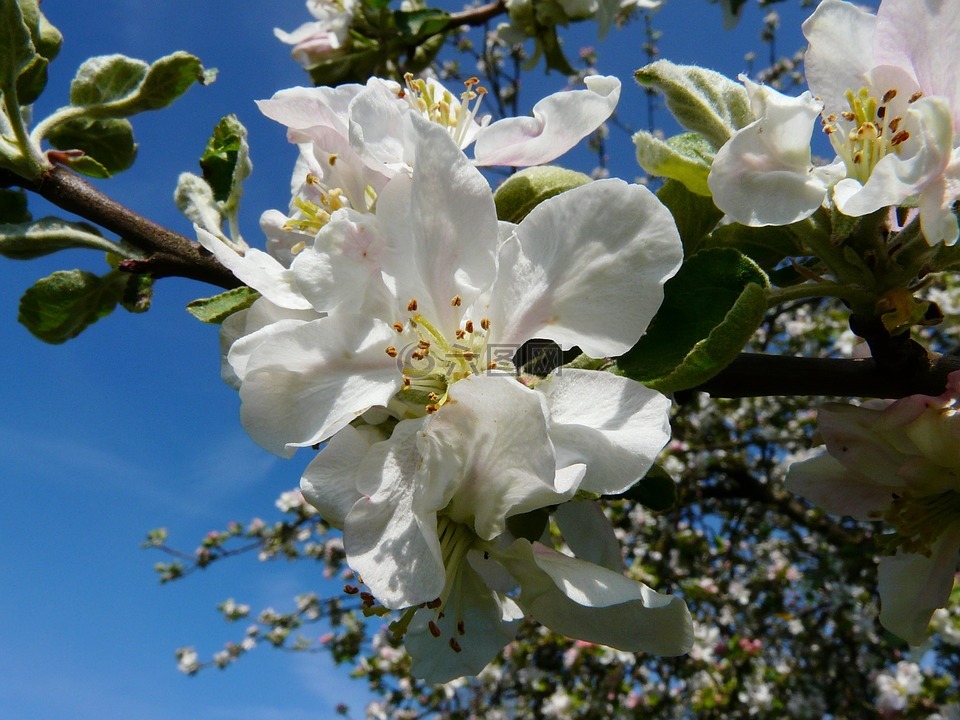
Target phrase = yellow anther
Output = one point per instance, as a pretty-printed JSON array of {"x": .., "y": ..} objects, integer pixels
[
  {"x": 485, "y": 323},
  {"x": 468, "y": 326},
  {"x": 412, "y": 305},
  {"x": 398, "y": 327},
  {"x": 456, "y": 301},
  {"x": 391, "y": 351}
]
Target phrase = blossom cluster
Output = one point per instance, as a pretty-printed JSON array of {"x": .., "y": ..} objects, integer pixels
[{"x": 393, "y": 303}]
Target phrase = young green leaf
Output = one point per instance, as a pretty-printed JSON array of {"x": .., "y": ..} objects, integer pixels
[
  {"x": 107, "y": 79},
  {"x": 701, "y": 100},
  {"x": 27, "y": 240},
  {"x": 16, "y": 47},
  {"x": 686, "y": 157},
  {"x": 218, "y": 308},
  {"x": 695, "y": 215},
  {"x": 109, "y": 141},
  {"x": 524, "y": 190},
  {"x": 711, "y": 308},
  {"x": 194, "y": 198},
  {"x": 61, "y": 306},
  {"x": 226, "y": 162}
]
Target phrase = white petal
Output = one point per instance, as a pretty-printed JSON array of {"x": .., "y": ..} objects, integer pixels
[
  {"x": 614, "y": 425},
  {"x": 488, "y": 625},
  {"x": 841, "y": 37},
  {"x": 440, "y": 228},
  {"x": 913, "y": 586},
  {"x": 488, "y": 454},
  {"x": 837, "y": 489},
  {"x": 762, "y": 175},
  {"x": 394, "y": 548},
  {"x": 305, "y": 382},
  {"x": 587, "y": 268},
  {"x": 589, "y": 534},
  {"x": 300, "y": 108},
  {"x": 245, "y": 335},
  {"x": 559, "y": 122},
  {"x": 380, "y": 132},
  {"x": 258, "y": 270},
  {"x": 588, "y": 602},
  {"x": 329, "y": 482}
]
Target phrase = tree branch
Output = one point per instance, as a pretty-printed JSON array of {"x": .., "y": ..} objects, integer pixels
[
  {"x": 170, "y": 254},
  {"x": 476, "y": 16},
  {"x": 758, "y": 375}
]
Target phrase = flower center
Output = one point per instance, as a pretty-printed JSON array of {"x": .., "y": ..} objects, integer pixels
[
  {"x": 314, "y": 215},
  {"x": 435, "y": 361},
  {"x": 863, "y": 135},
  {"x": 920, "y": 521},
  {"x": 437, "y": 104}
]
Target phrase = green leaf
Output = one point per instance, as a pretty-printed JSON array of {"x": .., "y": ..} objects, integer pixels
[
  {"x": 194, "y": 198},
  {"x": 107, "y": 79},
  {"x": 711, "y": 308},
  {"x": 218, "y": 308},
  {"x": 32, "y": 80},
  {"x": 46, "y": 38},
  {"x": 553, "y": 52},
  {"x": 766, "y": 246},
  {"x": 13, "y": 207},
  {"x": 686, "y": 157},
  {"x": 109, "y": 141},
  {"x": 86, "y": 165},
  {"x": 656, "y": 490},
  {"x": 226, "y": 162},
  {"x": 16, "y": 47},
  {"x": 524, "y": 190},
  {"x": 27, "y": 240},
  {"x": 168, "y": 78},
  {"x": 420, "y": 23},
  {"x": 701, "y": 100},
  {"x": 61, "y": 306},
  {"x": 694, "y": 214},
  {"x": 137, "y": 293}
]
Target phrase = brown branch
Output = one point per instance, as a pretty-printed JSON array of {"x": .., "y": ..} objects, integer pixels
[
  {"x": 169, "y": 253},
  {"x": 758, "y": 375},
  {"x": 476, "y": 16}
]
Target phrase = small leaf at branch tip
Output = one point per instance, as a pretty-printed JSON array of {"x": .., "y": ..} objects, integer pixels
[
  {"x": 61, "y": 306},
  {"x": 218, "y": 308}
]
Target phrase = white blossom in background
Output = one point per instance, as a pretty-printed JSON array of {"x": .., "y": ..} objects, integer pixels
[
  {"x": 895, "y": 688},
  {"x": 316, "y": 41},
  {"x": 187, "y": 660},
  {"x": 890, "y": 106},
  {"x": 899, "y": 462}
]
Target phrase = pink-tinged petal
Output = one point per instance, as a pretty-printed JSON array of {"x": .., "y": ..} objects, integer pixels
[
  {"x": 342, "y": 270},
  {"x": 588, "y": 602},
  {"x": 763, "y": 174},
  {"x": 937, "y": 219},
  {"x": 913, "y": 586},
  {"x": 589, "y": 534},
  {"x": 823, "y": 481},
  {"x": 440, "y": 229},
  {"x": 614, "y": 425},
  {"x": 488, "y": 454},
  {"x": 587, "y": 268},
  {"x": 559, "y": 122},
  {"x": 488, "y": 623},
  {"x": 329, "y": 482},
  {"x": 850, "y": 435},
  {"x": 913, "y": 34},
  {"x": 305, "y": 382},
  {"x": 300, "y": 108},
  {"x": 394, "y": 548},
  {"x": 842, "y": 41},
  {"x": 258, "y": 270}
]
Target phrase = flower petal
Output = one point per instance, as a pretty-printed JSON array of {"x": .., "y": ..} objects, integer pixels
[
  {"x": 488, "y": 454},
  {"x": 614, "y": 425},
  {"x": 559, "y": 122},
  {"x": 588, "y": 602},
  {"x": 306, "y": 381},
  {"x": 913, "y": 586},
  {"x": 488, "y": 623},
  {"x": 587, "y": 268},
  {"x": 394, "y": 548},
  {"x": 826, "y": 483},
  {"x": 762, "y": 175},
  {"x": 841, "y": 37},
  {"x": 329, "y": 481},
  {"x": 589, "y": 534}
]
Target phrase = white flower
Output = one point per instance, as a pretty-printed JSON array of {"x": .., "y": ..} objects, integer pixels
[
  {"x": 187, "y": 661},
  {"x": 890, "y": 108},
  {"x": 314, "y": 41},
  {"x": 899, "y": 462}
]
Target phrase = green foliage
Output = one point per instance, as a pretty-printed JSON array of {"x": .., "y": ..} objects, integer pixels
[
  {"x": 711, "y": 309},
  {"x": 13, "y": 207},
  {"x": 696, "y": 215},
  {"x": 656, "y": 491},
  {"x": 686, "y": 158},
  {"x": 109, "y": 142},
  {"x": 32, "y": 239},
  {"x": 226, "y": 162},
  {"x": 524, "y": 190},
  {"x": 62, "y": 305},
  {"x": 218, "y": 308},
  {"x": 17, "y": 51},
  {"x": 701, "y": 100}
]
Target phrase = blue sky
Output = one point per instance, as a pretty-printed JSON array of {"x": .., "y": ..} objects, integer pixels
[{"x": 128, "y": 427}]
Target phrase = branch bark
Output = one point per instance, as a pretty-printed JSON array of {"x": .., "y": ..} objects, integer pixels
[{"x": 170, "y": 254}]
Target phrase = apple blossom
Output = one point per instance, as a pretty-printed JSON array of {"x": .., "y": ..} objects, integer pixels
[
  {"x": 889, "y": 106},
  {"x": 899, "y": 462},
  {"x": 314, "y": 41}
]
